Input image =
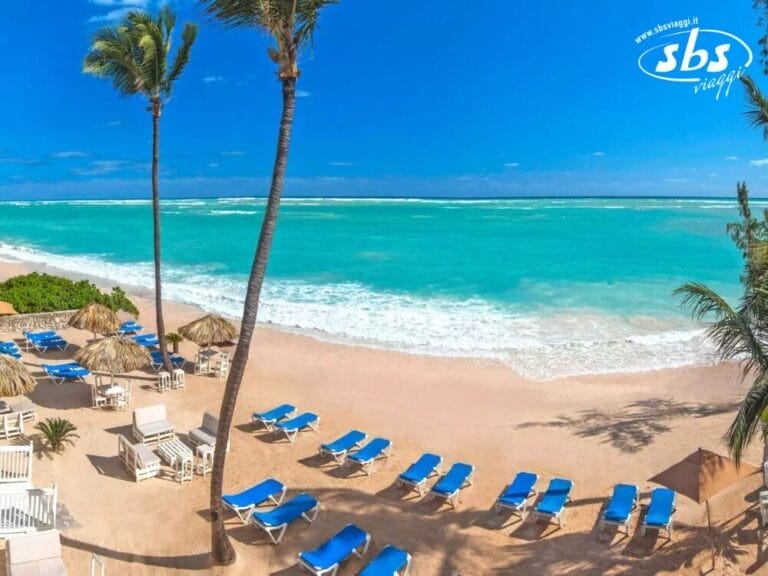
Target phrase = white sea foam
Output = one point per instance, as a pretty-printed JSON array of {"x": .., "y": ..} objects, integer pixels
[{"x": 541, "y": 345}]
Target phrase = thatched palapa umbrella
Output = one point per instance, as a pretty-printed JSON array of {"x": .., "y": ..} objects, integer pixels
[
  {"x": 7, "y": 309},
  {"x": 15, "y": 379},
  {"x": 114, "y": 355},
  {"x": 208, "y": 330},
  {"x": 95, "y": 318}
]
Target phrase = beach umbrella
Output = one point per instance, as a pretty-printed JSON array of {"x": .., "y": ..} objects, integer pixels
[
  {"x": 208, "y": 330},
  {"x": 114, "y": 355},
  {"x": 701, "y": 475},
  {"x": 95, "y": 318},
  {"x": 6, "y": 309},
  {"x": 15, "y": 379}
]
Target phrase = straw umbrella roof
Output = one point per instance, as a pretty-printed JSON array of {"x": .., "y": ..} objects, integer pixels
[
  {"x": 210, "y": 329},
  {"x": 113, "y": 355},
  {"x": 95, "y": 318},
  {"x": 703, "y": 474},
  {"x": 6, "y": 309},
  {"x": 15, "y": 379}
]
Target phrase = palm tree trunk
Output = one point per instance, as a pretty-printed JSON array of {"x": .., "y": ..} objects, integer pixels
[
  {"x": 221, "y": 548},
  {"x": 156, "y": 111}
]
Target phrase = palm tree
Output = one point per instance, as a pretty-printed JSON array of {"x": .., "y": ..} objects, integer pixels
[
  {"x": 136, "y": 56},
  {"x": 291, "y": 24},
  {"x": 741, "y": 332}
]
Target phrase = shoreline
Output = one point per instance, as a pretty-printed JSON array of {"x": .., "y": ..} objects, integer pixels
[{"x": 139, "y": 291}]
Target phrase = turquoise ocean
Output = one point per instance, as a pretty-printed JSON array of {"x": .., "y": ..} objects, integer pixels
[{"x": 549, "y": 286}]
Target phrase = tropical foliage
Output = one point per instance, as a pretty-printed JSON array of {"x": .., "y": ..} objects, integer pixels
[
  {"x": 57, "y": 433},
  {"x": 136, "y": 56},
  {"x": 740, "y": 331},
  {"x": 45, "y": 293},
  {"x": 174, "y": 340},
  {"x": 290, "y": 24}
]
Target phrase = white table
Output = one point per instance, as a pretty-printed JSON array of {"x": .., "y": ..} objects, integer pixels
[
  {"x": 204, "y": 458},
  {"x": 179, "y": 457}
]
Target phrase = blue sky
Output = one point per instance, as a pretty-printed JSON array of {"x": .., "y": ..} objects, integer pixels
[{"x": 397, "y": 98}]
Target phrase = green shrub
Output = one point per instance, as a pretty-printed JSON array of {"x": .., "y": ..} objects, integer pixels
[
  {"x": 57, "y": 432},
  {"x": 45, "y": 293},
  {"x": 174, "y": 340}
]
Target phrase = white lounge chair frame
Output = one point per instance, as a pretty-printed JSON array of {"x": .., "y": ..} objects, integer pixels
[
  {"x": 13, "y": 425},
  {"x": 452, "y": 499},
  {"x": 26, "y": 510},
  {"x": 244, "y": 512},
  {"x": 293, "y": 433},
  {"x": 604, "y": 521},
  {"x": 360, "y": 551},
  {"x": 369, "y": 466},
  {"x": 559, "y": 516},
  {"x": 35, "y": 553},
  {"x": 421, "y": 487},
  {"x": 309, "y": 516},
  {"x": 137, "y": 469},
  {"x": 145, "y": 417}
]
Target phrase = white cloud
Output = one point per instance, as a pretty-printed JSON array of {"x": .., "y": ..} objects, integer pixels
[
  {"x": 302, "y": 94},
  {"x": 511, "y": 165},
  {"x": 342, "y": 164},
  {"x": 111, "y": 16},
  {"x": 101, "y": 167},
  {"x": 70, "y": 154},
  {"x": 212, "y": 79},
  {"x": 234, "y": 153},
  {"x": 213, "y": 164},
  {"x": 598, "y": 153},
  {"x": 732, "y": 158},
  {"x": 759, "y": 163}
]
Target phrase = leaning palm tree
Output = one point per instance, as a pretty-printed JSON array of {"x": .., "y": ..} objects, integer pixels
[
  {"x": 741, "y": 332},
  {"x": 136, "y": 56},
  {"x": 291, "y": 25}
]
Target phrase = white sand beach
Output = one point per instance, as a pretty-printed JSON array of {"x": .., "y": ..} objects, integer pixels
[{"x": 595, "y": 430}]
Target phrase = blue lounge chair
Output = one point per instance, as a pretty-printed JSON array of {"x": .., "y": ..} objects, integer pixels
[
  {"x": 146, "y": 340},
  {"x": 620, "y": 507},
  {"x": 244, "y": 502},
  {"x": 269, "y": 418},
  {"x": 368, "y": 454},
  {"x": 292, "y": 427},
  {"x": 157, "y": 360},
  {"x": 660, "y": 511},
  {"x": 448, "y": 487},
  {"x": 326, "y": 558},
  {"x": 515, "y": 496},
  {"x": 130, "y": 327},
  {"x": 69, "y": 371},
  {"x": 338, "y": 448},
  {"x": 10, "y": 349},
  {"x": 44, "y": 341},
  {"x": 276, "y": 521},
  {"x": 391, "y": 561},
  {"x": 552, "y": 503},
  {"x": 419, "y": 472}
]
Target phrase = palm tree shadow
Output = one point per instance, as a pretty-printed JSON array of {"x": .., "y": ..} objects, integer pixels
[
  {"x": 190, "y": 562},
  {"x": 636, "y": 425}
]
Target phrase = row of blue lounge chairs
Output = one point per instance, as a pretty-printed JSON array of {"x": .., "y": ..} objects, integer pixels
[
  {"x": 10, "y": 349},
  {"x": 69, "y": 371},
  {"x": 326, "y": 558},
  {"x": 349, "y": 449},
  {"x": 46, "y": 340}
]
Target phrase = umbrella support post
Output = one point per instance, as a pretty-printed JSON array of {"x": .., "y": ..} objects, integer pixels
[{"x": 711, "y": 535}]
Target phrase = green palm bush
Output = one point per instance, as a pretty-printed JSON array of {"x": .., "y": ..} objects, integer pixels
[
  {"x": 57, "y": 432},
  {"x": 174, "y": 340}
]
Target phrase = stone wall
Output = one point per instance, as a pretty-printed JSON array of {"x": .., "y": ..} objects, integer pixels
[{"x": 32, "y": 322}]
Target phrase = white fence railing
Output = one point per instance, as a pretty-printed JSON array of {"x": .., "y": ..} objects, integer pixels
[
  {"x": 26, "y": 510},
  {"x": 15, "y": 466}
]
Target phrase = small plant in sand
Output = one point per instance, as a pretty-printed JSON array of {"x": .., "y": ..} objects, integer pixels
[
  {"x": 57, "y": 433},
  {"x": 174, "y": 340}
]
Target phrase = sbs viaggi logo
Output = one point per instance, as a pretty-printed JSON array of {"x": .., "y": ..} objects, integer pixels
[{"x": 712, "y": 60}]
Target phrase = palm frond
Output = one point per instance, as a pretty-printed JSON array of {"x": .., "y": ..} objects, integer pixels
[
  {"x": 757, "y": 106},
  {"x": 748, "y": 418},
  {"x": 731, "y": 331},
  {"x": 188, "y": 37}
]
